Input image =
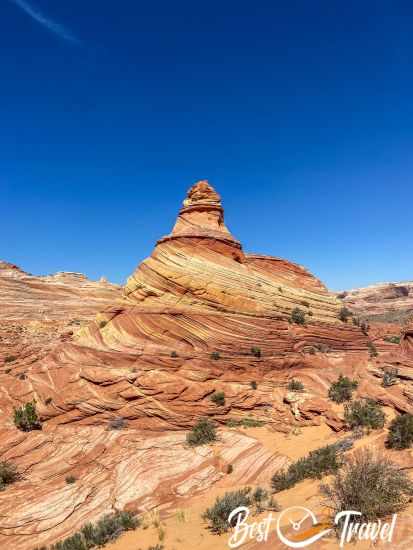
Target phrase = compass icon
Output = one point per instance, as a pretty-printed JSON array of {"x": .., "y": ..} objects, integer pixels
[{"x": 303, "y": 514}]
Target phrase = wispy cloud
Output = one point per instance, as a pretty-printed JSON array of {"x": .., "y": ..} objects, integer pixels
[{"x": 49, "y": 24}]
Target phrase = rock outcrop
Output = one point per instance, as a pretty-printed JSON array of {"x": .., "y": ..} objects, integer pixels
[
  {"x": 198, "y": 316},
  {"x": 383, "y": 302}
]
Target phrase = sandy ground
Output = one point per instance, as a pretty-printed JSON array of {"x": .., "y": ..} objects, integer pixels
[{"x": 184, "y": 529}]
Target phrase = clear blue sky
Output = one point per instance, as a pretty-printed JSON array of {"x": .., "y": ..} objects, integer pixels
[{"x": 300, "y": 113}]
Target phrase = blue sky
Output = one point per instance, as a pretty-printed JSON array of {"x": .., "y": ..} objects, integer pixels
[{"x": 299, "y": 113}]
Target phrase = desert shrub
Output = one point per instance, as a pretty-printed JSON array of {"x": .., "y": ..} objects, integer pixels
[
  {"x": 370, "y": 484},
  {"x": 48, "y": 401},
  {"x": 247, "y": 422},
  {"x": 344, "y": 314},
  {"x": 26, "y": 419},
  {"x": 117, "y": 423},
  {"x": 254, "y": 385},
  {"x": 10, "y": 358},
  {"x": 366, "y": 413},
  {"x": 400, "y": 432},
  {"x": 102, "y": 324},
  {"x": 8, "y": 474},
  {"x": 356, "y": 321},
  {"x": 322, "y": 348},
  {"x": 392, "y": 339},
  {"x": 390, "y": 377},
  {"x": 230, "y": 469},
  {"x": 156, "y": 547},
  {"x": 174, "y": 355},
  {"x": 215, "y": 355},
  {"x": 202, "y": 433},
  {"x": 218, "y": 398},
  {"x": 256, "y": 352},
  {"x": 372, "y": 349},
  {"x": 70, "y": 480},
  {"x": 217, "y": 515},
  {"x": 298, "y": 316},
  {"x": 318, "y": 463},
  {"x": 280, "y": 289},
  {"x": 260, "y": 497},
  {"x": 295, "y": 385},
  {"x": 107, "y": 529},
  {"x": 342, "y": 389},
  {"x": 22, "y": 376},
  {"x": 7, "y": 371}
]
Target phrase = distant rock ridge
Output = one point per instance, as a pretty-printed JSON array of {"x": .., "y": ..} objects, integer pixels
[{"x": 386, "y": 302}]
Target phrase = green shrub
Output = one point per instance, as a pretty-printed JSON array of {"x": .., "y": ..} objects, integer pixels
[
  {"x": 202, "y": 433},
  {"x": 318, "y": 463},
  {"x": 390, "y": 377},
  {"x": 298, "y": 316},
  {"x": 295, "y": 385},
  {"x": 372, "y": 349},
  {"x": 344, "y": 314},
  {"x": 215, "y": 355},
  {"x": 247, "y": 422},
  {"x": 370, "y": 484},
  {"x": 366, "y": 413},
  {"x": 8, "y": 474},
  {"x": 254, "y": 385},
  {"x": 10, "y": 359},
  {"x": 70, "y": 480},
  {"x": 218, "y": 398},
  {"x": 256, "y": 352},
  {"x": 26, "y": 419},
  {"x": 392, "y": 339},
  {"x": 217, "y": 515},
  {"x": 174, "y": 355},
  {"x": 107, "y": 529},
  {"x": 342, "y": 390},
  {"x": 400, "y": 432}
]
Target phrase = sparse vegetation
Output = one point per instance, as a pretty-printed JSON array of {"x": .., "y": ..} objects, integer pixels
[
  {"x": 297, "y": 316},
  {"x": 254, "y": 385},
  {"x": 400, "y": 432},
  {"x": 295, "y": 385},
  {"x": 344, "y": 314},
  {"x": 48, "y": 401},
  {"x": 247, "y": 422},
  {"x": 8, "y": 474},
  {"x": 117, "y": 423},
  {"x": 390, "y": 377},
  {"x": 356, "y": 321},
  {"x": 10, "y": 358},
  {"x": 392, "y": 339},
  {"x": 342, "y": 390},
  {"x": 203, "y": 432},
  {"x": 365, "y": 413},
  {"x": 256, "y": 352},
  {"x": 217, "y": 515},
  {"x": 218, "y": 398},
  {"x": 365, "y": 327},
  {"x": 22, "y": 376},
  {"x": 70, "y": 480},
  {"x": 26, "y": 419},
  {"x": 230, "y": 469},
  {"x": 102, "y": 324},
  {"x": 91, "y": 536},
  {"x": 370, "y": 484},
  {"x": 372, "y": 349},
  {"x": 174, "y": 355},
  {"x": 215, "y": 355},
  {"x": 320, "y": 462}
]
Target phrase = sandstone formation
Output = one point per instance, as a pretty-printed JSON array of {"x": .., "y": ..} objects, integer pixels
[
  {"x": 198, "y": 316},
  {"x": 383, "y": 302}
]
